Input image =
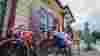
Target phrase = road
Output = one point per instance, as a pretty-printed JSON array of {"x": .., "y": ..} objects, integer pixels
[{"x": 82, "y": 52}]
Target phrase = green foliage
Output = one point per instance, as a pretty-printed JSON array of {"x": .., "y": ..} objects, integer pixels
[{"x": 96, "y": 34}]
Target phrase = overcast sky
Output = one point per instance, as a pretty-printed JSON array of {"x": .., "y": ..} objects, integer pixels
[{"x": 94, "y": 22}]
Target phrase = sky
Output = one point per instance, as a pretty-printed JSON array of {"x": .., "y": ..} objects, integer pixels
[{"x": 94, "y": 22}]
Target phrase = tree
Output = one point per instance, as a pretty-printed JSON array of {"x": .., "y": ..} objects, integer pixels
[
  {"x": 87, "y": 37},
  {"x": 96, "y": 35}
]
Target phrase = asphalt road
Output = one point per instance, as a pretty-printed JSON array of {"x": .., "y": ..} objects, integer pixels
[{"x": 82, "y": 52}]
